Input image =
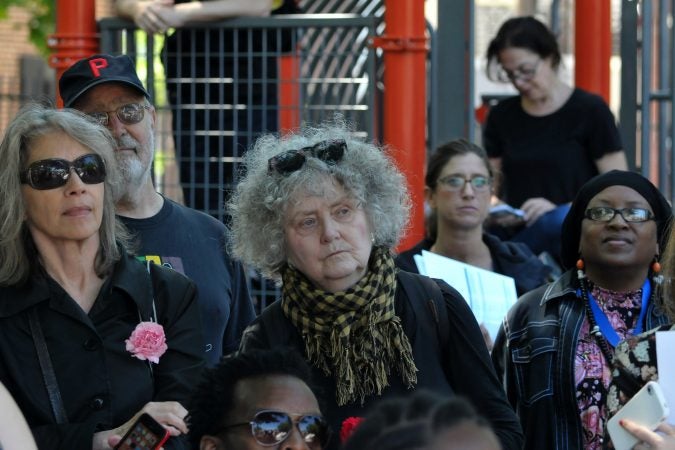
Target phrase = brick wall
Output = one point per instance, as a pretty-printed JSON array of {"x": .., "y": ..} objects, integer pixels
[{"x": 14, "y": 38}]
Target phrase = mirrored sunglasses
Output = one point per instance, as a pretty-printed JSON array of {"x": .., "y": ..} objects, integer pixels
[
  {"x": 456, "y": 183},
  {"x": 128, "y": 114},
  {"x": 330, "y": 152},
  {"x": 606, "y": 214},
  {"x": 54, "y": 172},
  {"x": 273, "y": 427}
]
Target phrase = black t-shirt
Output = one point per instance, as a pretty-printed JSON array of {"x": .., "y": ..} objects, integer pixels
[{"x": 550, "y": 156}]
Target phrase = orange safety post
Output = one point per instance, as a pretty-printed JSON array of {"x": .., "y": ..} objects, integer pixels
[
  {"x": 289, "y": 92},
  {"x": 593, "y": 46},
  {"x": 75, "y": 37},
  {"x": 404, "y": 118}
]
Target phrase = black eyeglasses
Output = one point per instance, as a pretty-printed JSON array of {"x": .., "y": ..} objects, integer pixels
[
  {"x": 129, "y": 114},
  {"x": 605, "y": 214},
  {"x": 456, "y": 183},
  {"x": 273, "y": 427},
  {"x": 54, "y": 172},
  {"x": 522, "y": 73},
  {"x": 329, "y": 152}
]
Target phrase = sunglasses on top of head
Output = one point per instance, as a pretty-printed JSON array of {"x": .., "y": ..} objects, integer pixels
[
  {"x": 54, "y": 172},
  {"x": 330, "y": 152},
  {"x": 270, "y": 428}
]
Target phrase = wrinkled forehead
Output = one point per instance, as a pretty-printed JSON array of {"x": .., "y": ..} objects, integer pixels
[{"x": 108, "y": 95}]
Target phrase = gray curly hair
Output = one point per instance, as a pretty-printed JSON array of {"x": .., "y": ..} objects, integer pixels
[
  {"x": 259, "y": 204},
  {"x": 17, "y": 252}
]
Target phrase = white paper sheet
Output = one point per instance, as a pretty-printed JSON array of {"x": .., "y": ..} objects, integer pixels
[
  {"x": 665, "y": 344},
  {"x": 490, "y": 295}
]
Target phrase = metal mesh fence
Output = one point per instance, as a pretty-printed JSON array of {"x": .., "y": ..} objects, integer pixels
[{"x": 219, "y": 86}]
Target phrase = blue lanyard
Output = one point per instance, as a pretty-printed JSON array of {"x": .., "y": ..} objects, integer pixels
[{"x": 606, "y": 328}]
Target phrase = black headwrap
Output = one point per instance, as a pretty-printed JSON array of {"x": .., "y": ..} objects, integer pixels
[{"x": 571, "y": 228}]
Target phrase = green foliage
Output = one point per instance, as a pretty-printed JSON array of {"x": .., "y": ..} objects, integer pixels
[{"x": 42, "y": 21}]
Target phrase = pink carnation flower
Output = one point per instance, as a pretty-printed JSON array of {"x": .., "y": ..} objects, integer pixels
[{"x": 147, "y": 342}]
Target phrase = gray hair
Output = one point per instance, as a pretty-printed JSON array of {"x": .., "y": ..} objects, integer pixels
[
  {"x": 259, "y": 204},
  {"x": 18, "y": 255}
]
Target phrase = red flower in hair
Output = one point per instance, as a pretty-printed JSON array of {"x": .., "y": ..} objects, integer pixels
[{"x": 348, "y": 427}]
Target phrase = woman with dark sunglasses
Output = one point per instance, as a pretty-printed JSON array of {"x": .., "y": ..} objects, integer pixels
[
  {"x": 89, "y": 337},
  {"x": 322, "y": 211},
  {"x": 556, "y": 345},
  {"x": 547, "y": 141}
]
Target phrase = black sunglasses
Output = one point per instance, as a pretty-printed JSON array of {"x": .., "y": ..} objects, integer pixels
[
  {"x": 329, "y": 152},
  {"x": 273, "y": 427},
  {"x": 129, "y": 114},
  {"x": 54, "y": 172}
]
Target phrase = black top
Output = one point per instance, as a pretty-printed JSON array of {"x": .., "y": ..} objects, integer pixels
[
  {"x": 550, "y": 156},
  {"x": 194, "y": 244},
  {"x": 513, "y": 259},
  {"x": 101, "y": 384},
  {"x": 468, "y": 372}
]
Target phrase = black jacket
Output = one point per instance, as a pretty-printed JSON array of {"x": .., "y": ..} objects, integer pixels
[
  {"x": 534, "y": 354},
  {"x": 513, "y": 259},
  {"x": 101, "y": 384},
  {"x": 463, "y": 367}
]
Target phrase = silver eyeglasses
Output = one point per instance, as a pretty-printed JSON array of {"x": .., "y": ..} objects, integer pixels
[{"x": 456, "y": 183}]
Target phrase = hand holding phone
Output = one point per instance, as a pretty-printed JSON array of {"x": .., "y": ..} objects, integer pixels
[
  {"x": 145, "y": 434},
  {"x": 647, "y": 408}
]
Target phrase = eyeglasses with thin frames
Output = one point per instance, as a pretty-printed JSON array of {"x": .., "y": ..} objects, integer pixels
[
  {"x": 523, "y": 73},
  {"x": 456, "y": 183},
  {"x": 129, "y": 114}
]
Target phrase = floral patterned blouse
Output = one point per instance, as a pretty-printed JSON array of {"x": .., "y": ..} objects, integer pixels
[
  {"x": 634, "y": 365},
  {"x": 592, "y": 373}
]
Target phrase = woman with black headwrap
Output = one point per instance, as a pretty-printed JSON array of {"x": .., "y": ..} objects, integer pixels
[{"x": 555, "y": 347}]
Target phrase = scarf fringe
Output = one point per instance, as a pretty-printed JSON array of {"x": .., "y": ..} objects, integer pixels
[{"x": 363, "y": 345}]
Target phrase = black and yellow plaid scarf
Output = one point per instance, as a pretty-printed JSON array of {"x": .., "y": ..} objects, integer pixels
[{"x": 355, "y": 334}]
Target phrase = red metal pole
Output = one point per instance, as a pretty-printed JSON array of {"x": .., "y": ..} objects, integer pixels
[
  {"x": 404, "y": 119},
  {"x": 75, "y": 37},
  {"x": 593, "y": 46}
]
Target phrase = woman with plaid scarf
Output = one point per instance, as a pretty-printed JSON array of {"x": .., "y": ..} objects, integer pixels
[{"x": 322, "y": 211}]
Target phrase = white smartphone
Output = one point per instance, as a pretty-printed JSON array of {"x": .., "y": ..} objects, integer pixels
[{"x": 648, "y": 408}]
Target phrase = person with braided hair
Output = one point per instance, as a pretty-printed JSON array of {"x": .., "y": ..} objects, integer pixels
[
  {"x": 322, "y": 210},
  {"x": 555, "y": 348}
]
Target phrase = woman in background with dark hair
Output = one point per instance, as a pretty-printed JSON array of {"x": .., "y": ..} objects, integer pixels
[
  {"x": 547, "y": 141},
  {"x": 458, "y": 188}
]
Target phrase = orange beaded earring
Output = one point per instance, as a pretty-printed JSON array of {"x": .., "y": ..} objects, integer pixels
[
  {"x": 656, "y": 266},
  {"x": 580, "y": 264}
]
